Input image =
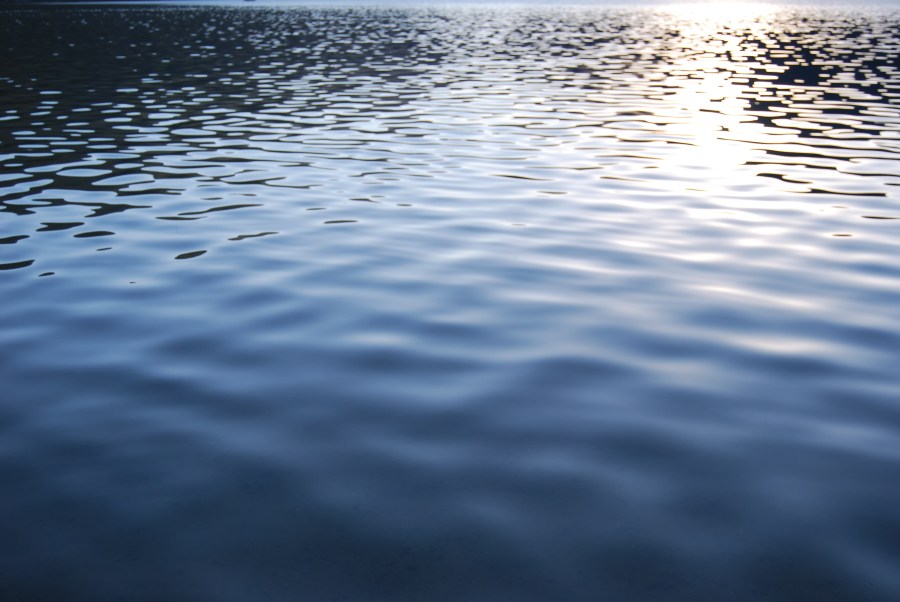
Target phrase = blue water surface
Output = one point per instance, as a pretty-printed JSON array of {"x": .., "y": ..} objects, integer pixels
[{"x": 449, "y": 303}]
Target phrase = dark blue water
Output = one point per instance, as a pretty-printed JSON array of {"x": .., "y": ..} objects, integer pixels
[{"x": 449, "y": 304}]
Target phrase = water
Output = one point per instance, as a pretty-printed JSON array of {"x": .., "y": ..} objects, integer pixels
[{"x": 449, "y": 303}]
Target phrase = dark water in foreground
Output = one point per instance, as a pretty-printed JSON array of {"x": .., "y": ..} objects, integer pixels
[{"x": 452, "y": 304}]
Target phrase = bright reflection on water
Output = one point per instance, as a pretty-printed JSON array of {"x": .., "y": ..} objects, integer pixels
[{"x": 449, "y": 304}]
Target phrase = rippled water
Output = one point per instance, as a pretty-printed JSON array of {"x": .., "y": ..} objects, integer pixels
[{"x": 460, "y": 303}]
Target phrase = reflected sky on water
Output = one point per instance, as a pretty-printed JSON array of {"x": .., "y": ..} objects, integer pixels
[{"x": 449, "y": 303}]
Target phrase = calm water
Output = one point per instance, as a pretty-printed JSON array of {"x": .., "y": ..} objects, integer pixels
[{"x": 449, "y": 304}]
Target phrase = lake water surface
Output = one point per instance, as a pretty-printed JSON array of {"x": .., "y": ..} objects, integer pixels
[{"x": 449, "y": 304}]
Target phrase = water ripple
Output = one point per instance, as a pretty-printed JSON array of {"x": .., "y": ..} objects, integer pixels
[{"x": 602, "y": 303}]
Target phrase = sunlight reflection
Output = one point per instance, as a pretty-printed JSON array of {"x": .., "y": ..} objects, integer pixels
[{"x": 709, "y": 106}]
